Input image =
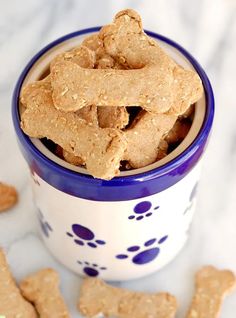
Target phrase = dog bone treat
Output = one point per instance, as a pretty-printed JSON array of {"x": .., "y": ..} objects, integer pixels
[
  {"x": 144, "y": 136},
  {"x": 98, "y": 298},
  {"x": 155, "y": 82},
  {"x": 81, "y": 55},
  {"x": 178, "y": 132},
  {"x": 211, "y": 287},
  {"x": 103, "y": 60},
  {"x": 112, "y": 117},
  {"x": 162, "y": 149},
  {"x": 101, "y": 149},
  {"x": 125, "y": 40},
  {"x": 12, "y": 304},
  {"x": 72, "y": 159},
  {"x": 8, "y": 197},
  {"x": 89, "y": 114},
  {"x": 42, "y": 289},
  {"x": 108, "y": 87}
]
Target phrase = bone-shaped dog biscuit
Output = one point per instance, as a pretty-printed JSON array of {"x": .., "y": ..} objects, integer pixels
[
  {"x": 96, "y": 298},
  {"x": 42, "y": 289},
  {"x": 80, "y": 55},
  {"x": 95, "y": 44},
  {"x": 8, "y": 196},
  {"x": 211, "y": 287},
  {"x": 125, "y": 40},
  {"x": 144, "y": 137},
  {"x": 112, "y": 117},
  {"x": 12, "y": 303},
  {"x": 101, "y": 149},
  {"x": 158, "y": 85}
]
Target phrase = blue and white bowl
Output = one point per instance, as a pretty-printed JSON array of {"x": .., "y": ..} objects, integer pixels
[{"x": 130, "y": 226}]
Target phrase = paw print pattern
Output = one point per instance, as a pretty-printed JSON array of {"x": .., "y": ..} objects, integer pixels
[
  {"x": 92, "y": 270},
  {"x": 141, "y": 210},
  {"x": 84, "y": 236},
  {"x": 45, "y": 226},
  {"x": 147, "y": 254}
]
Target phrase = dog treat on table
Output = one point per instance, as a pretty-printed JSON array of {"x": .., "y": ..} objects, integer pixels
[
  {"x": 98, "y": 298},
  {"x": 8, "y": 197},
  {"x": 144, "y": 136},
  {"x": 101, "y": 149},
  {"x": 42, "y": 289},
  {"x": 211, "y": 287},
  {"x": 12, "y": 303}
]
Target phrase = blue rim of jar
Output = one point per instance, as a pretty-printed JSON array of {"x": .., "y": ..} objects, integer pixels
[{"x": 136, "y": 186}]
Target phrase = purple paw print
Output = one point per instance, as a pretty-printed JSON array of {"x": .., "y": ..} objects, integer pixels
[
  {"x": 141, "y": 210},
  {"x": 45, "y": 226},
  {"x": 147, "y": 254},
  {"x": 84, "y": 236},
  {"x": 91, "y": 269}
]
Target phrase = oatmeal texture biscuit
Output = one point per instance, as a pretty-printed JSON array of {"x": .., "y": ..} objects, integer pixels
[
  {"x": 108, "y": 116},
  {"x": 72, "y": 159},
  {"x": 95, "y": 44},
  {"x": 80, "y": 55},
  {"x": 98, "y": 298},
  {"x": 211, "y": 287},
  {"x": 155, "y": 82},
  {"x": 112, "y": 117},
  {"x": 8, "y": 197},
  {"x": 101, "y": 149},
  {"x": 144, "y": 138},
  {"x": 12, "y": 303},
  {"x": 42, "y": 289},
  {"x": 125, "y": 40}
]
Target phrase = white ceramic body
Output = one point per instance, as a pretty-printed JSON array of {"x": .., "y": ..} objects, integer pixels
[{"x": 167, "y": 218}]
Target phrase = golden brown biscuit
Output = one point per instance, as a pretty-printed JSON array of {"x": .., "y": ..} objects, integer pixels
[
  {"x": 72, "y": 159},
  {"x": 211, "y": 287},
  {"x": 12, "y": 304},
  {"x": 89, "y": 114},
  {"x": 80, "y": 55},
  {"x": 178, "y": 132},
  {"x": 155, "y": 82},
  {"x": 8, "y": 197},
  {"x": 103, "y": 60},
  {"x": 101, "y": 149},
  {"x": 42, "y": 289},
  {"x": 112, "y": 117},
  {"x": 98, "y": 298},
  {"x": 144, "y": 137}
]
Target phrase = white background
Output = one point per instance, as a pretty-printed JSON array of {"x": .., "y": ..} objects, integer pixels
[{"x": 207, "y": 28}]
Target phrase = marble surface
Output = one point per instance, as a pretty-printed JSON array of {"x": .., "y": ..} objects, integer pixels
[{"x": 207, "y": 28}]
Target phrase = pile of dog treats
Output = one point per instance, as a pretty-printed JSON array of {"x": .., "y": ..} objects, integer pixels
[
  {"x": 38, "y": 295},
  {"x": 117, "y": 98}
]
